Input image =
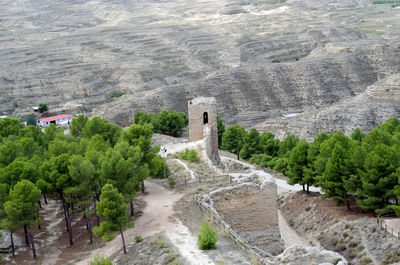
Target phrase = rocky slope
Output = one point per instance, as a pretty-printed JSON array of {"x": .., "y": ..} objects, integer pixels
[
  {"x": 365, "y": 111},
  {"x": 352, "y": 234},
  {"x": 162, "y": 53}
]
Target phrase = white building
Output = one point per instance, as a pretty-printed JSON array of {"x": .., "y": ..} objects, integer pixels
[{"x": 63, "y": 119}]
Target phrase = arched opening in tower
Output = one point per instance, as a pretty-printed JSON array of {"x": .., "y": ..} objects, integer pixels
[{"x": 205, "y": 118}]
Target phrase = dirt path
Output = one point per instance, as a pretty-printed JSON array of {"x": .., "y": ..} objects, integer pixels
[
  {"x": 156, "y": 218},
  {"x": 187, "y": 168},
  {"x": 289, "y": 236}
]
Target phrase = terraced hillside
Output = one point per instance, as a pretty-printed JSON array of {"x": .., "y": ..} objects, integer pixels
[{"x": 261, "y": 59}]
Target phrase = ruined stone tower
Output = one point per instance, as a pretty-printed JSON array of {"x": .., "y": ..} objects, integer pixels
[{"x": 203, "y": 124}]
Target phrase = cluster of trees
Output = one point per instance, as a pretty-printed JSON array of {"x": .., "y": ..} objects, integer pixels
[
  {"x": 166, "y": 122},
  {"x": 364, "y": 167},
  {"x": 72, "y": 169}
]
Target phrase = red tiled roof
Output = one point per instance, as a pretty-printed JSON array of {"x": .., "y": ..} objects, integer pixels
[{"x": 54, "y": 118}]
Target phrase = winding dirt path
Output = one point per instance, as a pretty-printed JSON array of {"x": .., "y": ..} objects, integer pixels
[{"x": 156, "y": 218}]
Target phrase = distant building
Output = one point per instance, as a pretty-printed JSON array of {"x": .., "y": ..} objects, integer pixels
[
  {"x": 36, "y": 108},
  {"x": 3, "y": 117},
  {"x": 63, "y": 119}
]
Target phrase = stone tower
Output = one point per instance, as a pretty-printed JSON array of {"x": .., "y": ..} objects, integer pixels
[{"x": 203, "y": 124}]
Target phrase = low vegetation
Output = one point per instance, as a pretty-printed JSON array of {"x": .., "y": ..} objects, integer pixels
[
  {"x": 236, "y": 11},
  {"x": 116, "y": 94},
  {"x": 189, "y": 155},
  {"x": 99, "y": 260},
  {"x": 171, "y": 182},
  {"x": 207, "y": 237}
]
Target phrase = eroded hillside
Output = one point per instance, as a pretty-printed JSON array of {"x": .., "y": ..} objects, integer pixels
[{"x": 162, "y": 53}]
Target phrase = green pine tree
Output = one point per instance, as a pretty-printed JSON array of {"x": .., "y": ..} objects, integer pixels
[
  {"x": 221, "y": 130},
  {"x": 113, "y": 208},
  {"x": 251, "y": 144},
  {"x": 298, "y": 163},
  {"x": 23, "y": 209},
  {"x": 232, "y": 139}
]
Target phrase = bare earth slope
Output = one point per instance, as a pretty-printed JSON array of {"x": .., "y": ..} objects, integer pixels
[{"x": 162, "y": 53}]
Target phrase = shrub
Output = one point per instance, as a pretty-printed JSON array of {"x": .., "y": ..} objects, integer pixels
[
  {"x": 189, "y": 155},
  {"x": 353, "y": 244},
  {"x": 171, "y": 182},
  {"x": 334, "y": 241},
  {"x": 236, "y": 11},
  {"x": 349, "y": 226},
  {"x": 99, "y": 260},
  {"x": 157, "y": 167},
  {"x": 340, "y": 247},
  {"x": 138, "y": 239},
  {"x": 158, "y": 241},
  {"x": 43, "y": 108},
  {"x": 366, "y": 261},
  {"x": 207, "y": 237},
  {"x": 116, "y": 95},
  {"x": 307, "y": 208}
]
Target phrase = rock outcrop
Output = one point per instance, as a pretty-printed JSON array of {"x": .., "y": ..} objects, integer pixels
[{"x": 299, "y": 255}]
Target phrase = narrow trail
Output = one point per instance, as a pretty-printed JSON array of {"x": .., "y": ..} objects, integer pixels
[
  {"x": 187, "y": 168},
  {"x": 289, "y": 236},
  {"x": 156, "y": 218}
]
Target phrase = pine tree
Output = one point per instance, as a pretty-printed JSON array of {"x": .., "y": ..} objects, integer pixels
[
  {"x": 221, "y": 130},
  {"x": 287, "y": 145},
  {"x": 77, "y": 125},
  {"x": 251, "y": 144},
  {"x": 297, "y": 164},
  {"x": 332, "y": 180},
  {"x": 232, "y": 139},
  {"x": 113, "y": 208},
  {"x": 269, "y": 145},
  {"x": 22, "y": 209},
  {"x": 81, "y": 194},
  {"x": 10, "y": 226},
  {"x": 379, "y": 179},
  {"x": 122, "y": 167}
]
